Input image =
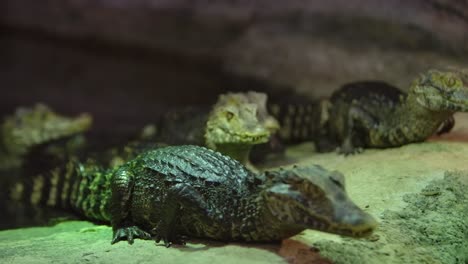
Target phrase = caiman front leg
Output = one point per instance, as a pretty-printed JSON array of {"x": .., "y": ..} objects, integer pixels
[
  {"x": 122, "y": 224},
  {"x": 354, "y": 142},
  {"x": 446, "y": 126},
  {"x": 180, "y": 196}
]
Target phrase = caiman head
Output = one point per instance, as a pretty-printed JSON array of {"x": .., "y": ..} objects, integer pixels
[
  {"x": 32, "y": 126},
  {"x": 442, "y": 90},
  {"x": 313, "y": 198},
  {"x": 260, "y": 101},
  {"x": 239, "y": 118}
]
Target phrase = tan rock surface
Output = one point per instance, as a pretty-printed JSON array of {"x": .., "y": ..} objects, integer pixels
[{"x": 390, "y": 184}]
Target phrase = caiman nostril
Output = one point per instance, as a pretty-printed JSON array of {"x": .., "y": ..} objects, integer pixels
[{"x": 357, "y": 222}]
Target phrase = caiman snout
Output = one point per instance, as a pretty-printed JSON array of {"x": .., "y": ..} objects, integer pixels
[
  {"x": 355, "y": 223},
  {"x": 459, "y": 100}
]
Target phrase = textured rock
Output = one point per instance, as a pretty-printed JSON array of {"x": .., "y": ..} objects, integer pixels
[
  {"x": 206, "y": 26},
  {"x": 316, "y": 64},
  {"x": 312, "y": 46}
]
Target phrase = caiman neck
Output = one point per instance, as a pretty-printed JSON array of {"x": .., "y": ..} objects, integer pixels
[
  {"x": 408, "y": 122},
  {"x": 267, "y": 227},
  {"x": 412, "y": 114},
  {"x": 239, "y": 152},
  {"x": 417, "y": 113},
  {"x": 273, "y": 228}
]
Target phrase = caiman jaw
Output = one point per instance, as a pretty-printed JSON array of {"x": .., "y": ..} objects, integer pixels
[
  {"x": 442, "y": 90},
  {"x": 311, "y": 197},
  {"x": 251, "y": 138},
  {"x": 458, "y": 101},
  {"x": 356, "y": 223},
  {"x": 361, "y": 226},
  {"x": 248, "y": 138}
]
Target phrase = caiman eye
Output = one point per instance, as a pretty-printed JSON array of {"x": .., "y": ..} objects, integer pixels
[
  {"x": 450, "y": 82},
  {"x": 338, "y": 180},
  {"x": 337, "y": 183},
  {"x": 229, "y": 115}
]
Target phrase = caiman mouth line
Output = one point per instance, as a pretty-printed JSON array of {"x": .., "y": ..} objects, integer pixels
[
  {"x": 322, "y": 223},
  {"x": 461, "y": 104},
  {"x": 258, "y": 138},
  {"x": 354, "y": 231},
  {"x": 455, "y": 105},
  {"x": 359, "y": 230},
  {"x": 344, "y": 229}
]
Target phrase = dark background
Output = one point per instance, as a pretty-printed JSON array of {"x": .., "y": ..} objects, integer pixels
[{"x": 126, "y": 61}]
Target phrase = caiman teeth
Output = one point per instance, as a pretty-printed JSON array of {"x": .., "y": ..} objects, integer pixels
[{"x": 247, "y": 137}]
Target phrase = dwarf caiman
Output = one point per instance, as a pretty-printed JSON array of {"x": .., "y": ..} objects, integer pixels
[
  {"x": 232, "y": 126},
  {"x": 374, "y": 114},
  {"x": 30, "y": 127},
  {"x": 171, "y": 192}
]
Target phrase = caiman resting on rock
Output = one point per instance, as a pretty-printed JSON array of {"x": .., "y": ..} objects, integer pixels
[
  {"x": 232, "y": 126},
  {"x": 172, "y": 192},
  {"x": 29, "y": 127},
  {"x": 374, "y": 114}
]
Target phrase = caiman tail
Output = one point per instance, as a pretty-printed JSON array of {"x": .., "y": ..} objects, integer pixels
[
  {"x": 79, "y": 187},
  {"x": 301, "y": 119}
]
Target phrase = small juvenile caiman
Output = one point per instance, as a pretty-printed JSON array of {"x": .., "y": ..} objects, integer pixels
[{"x": 171, "y": 192}]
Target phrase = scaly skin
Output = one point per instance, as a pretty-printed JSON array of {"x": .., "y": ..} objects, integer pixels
[
  {"x": 234, "y": 124},
  {"x": 29, "y": 127},
  {"x": 374, "y": 114},
  {"x": 172, "y": 192},
  {"x": 300, "y": 118},
  {"x": 237, "y": 122},
  {"x": 377, "y": 115}
]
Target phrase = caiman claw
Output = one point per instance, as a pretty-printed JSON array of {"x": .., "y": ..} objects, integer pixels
[{"x": 129, "y": 233}]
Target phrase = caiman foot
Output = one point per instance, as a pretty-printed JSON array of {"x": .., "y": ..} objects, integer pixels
[
  {"x": 347, "y": 152},
  {"x": 178, "y": 240},
  {"x": 347, "y": 148},
  {"x": 129, "y": 233},
  {"x": 169, "y": 240}
]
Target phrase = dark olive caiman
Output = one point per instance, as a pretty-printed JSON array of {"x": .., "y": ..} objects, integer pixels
[
  {"x": 232, "y": 126},
  {"x": 377, "y": 115},
  {"x": 172, "y": 192},
  {"x": 374, "y": 114}
]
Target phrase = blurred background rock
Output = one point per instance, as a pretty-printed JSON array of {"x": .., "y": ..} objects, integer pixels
[{"x": 125, "y": 61}]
